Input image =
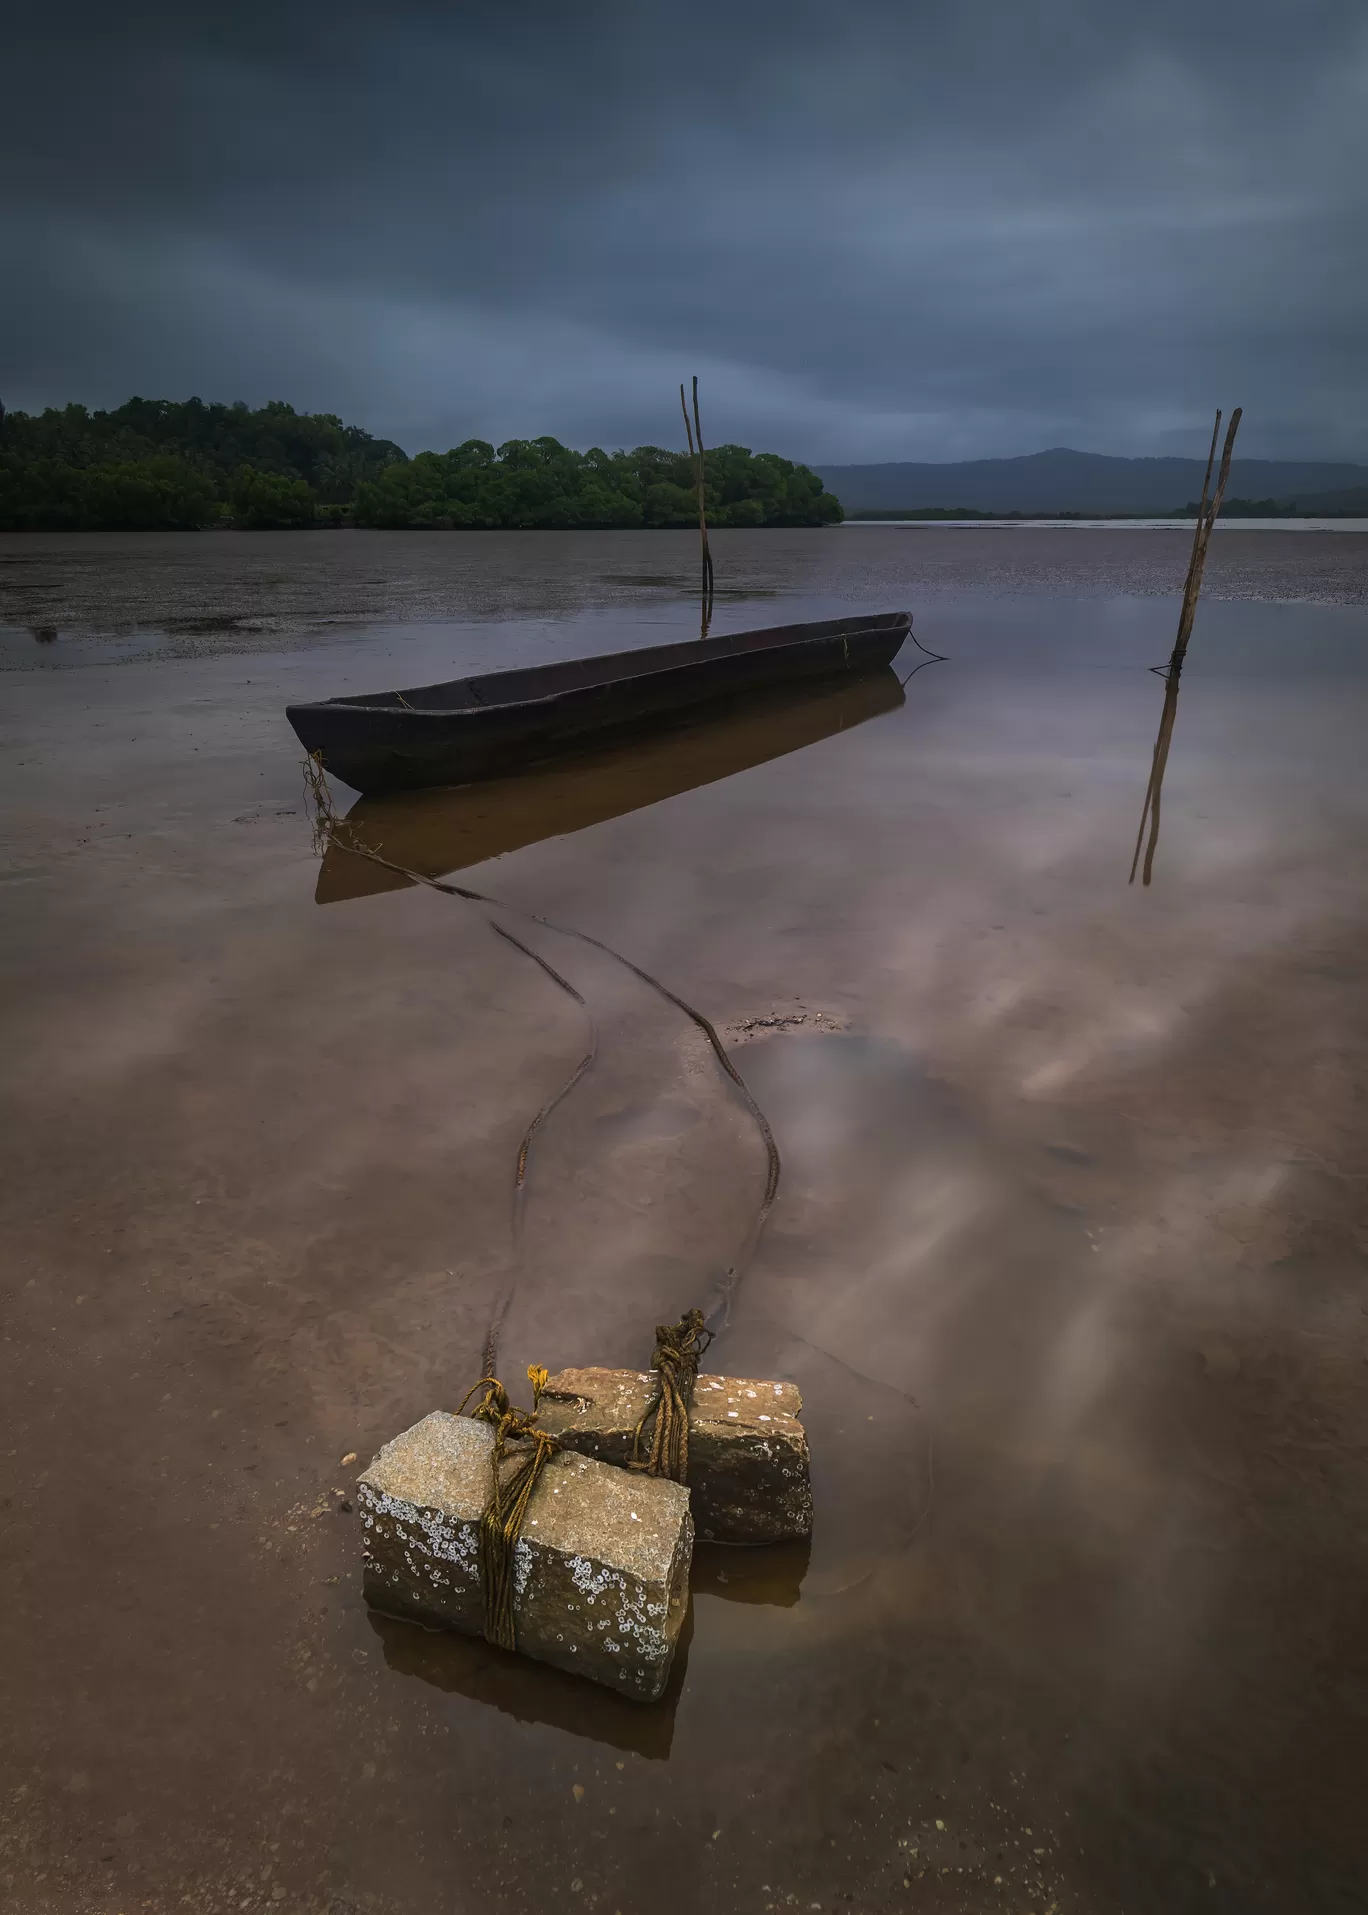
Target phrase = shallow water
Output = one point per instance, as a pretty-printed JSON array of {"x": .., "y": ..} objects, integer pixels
[
  {"x": 1067, "y": 1258},
  {"x": 80, "y": 599}
]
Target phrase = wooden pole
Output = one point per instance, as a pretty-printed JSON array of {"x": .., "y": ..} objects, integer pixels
[
  {"x": 1202, "y": 507},
  {"x": 1206, "y": 519},
  {"x": 695, "y": 431}
]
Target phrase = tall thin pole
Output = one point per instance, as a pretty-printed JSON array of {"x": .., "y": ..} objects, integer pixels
[
  {"x": 1206, "y": 519},
  {"x": 694, "y": 431}
]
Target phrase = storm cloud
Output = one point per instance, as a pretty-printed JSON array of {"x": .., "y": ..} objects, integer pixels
[{"x": 875, "y": 230}]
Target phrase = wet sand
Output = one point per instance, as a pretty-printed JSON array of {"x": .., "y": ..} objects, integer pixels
[{"x": 1067, "y": 1260}]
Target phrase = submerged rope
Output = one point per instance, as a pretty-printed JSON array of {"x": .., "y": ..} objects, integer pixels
[
  {"x": 719, "y": 1310},
  {"x": 502, "y": 1518},
  {"x": 490, "y": 1358},
  {"x": 330, "y": 829},
  {"x": 676, "y": 1359}
]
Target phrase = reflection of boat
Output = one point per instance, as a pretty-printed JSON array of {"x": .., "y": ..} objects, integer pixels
[
  {"x": 435, "y": 832},
  {"x": 502, "y": 722}
]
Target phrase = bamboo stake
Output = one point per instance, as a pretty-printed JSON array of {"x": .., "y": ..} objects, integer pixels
[
  {"x": 699, "y": 487},
  {"x": 1202, "y": 508},
  {"x": 1206, "y": 519}
]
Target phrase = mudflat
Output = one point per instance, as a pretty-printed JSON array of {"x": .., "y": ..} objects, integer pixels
[{"x": 1067, "y": 1259}]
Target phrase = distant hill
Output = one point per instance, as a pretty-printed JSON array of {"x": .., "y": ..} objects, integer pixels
[{"x": 1089, "y": 482}]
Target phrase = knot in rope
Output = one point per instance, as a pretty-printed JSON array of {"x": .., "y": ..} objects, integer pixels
[
  {"x": 509, "y": 1495},
  {"x": 676, "y": 1359}
]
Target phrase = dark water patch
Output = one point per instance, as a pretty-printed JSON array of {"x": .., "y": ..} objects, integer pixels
[
  {"x": 212, "y": 624},
  {"x": 1070, "y": 1154},
  {"x": 48, "y": 647}
]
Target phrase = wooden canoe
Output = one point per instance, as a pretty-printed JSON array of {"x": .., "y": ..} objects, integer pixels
[{"x": 503, "y": 722}]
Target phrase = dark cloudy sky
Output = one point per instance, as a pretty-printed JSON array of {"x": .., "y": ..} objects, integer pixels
[{"x": 875, "y": 229}]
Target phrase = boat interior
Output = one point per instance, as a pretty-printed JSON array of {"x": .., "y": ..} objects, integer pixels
[{"x": 574, "y": 674}]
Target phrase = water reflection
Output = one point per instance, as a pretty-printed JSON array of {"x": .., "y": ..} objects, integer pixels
[
  {"x": 772, "y": 1575},
  {"x": 437, "y": 832},
  {"x": 531, "y": 1691},
  {"x": 1154, "y": 790}
]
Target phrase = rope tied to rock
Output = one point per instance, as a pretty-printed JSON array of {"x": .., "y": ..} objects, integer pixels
[
  {"x": 509, "y": 1495},
  {"x": 676, "y": 1359}
]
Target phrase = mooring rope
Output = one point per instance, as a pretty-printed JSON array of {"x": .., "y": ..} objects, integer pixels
[
  {"x": 676, "y": 1359},
  {"x": 490, "y": 1357},
  {"x": 720, "y": 1306},
  {"x": 501, "y": 1520},
  {"x": 932, "y": 658},
  {"x": 330, "y": 829}
]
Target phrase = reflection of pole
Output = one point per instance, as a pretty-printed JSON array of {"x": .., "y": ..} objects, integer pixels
[
  {"x": 1206, "y": 519},
  {"x": 1156, "y": 783},
  {"x": 695, "y": 431}
]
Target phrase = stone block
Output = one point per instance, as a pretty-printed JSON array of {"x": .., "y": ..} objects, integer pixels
[
  {"x": 601, "y": 1569},
  {"x": 748, "y": 1454}
]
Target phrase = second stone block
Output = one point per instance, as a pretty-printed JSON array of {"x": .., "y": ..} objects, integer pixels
[{"x": 748, "y": 1475}]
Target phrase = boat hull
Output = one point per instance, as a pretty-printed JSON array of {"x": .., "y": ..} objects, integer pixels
[{"x": 391, "y": 744}]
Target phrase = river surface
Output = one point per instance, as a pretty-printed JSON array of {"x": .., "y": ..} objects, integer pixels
[{"x": 1067, "y": 1261}]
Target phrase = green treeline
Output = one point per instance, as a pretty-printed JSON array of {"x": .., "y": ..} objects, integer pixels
[
  {"x": 164, "y": 465},
  {"x": 1247, "y": 509},
  {"x": 539, "y": 482},
  {"x": 157, "y": 464}
]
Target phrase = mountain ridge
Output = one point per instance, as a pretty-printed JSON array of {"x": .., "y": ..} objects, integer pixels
[{"x": 1062, "y": 479}]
